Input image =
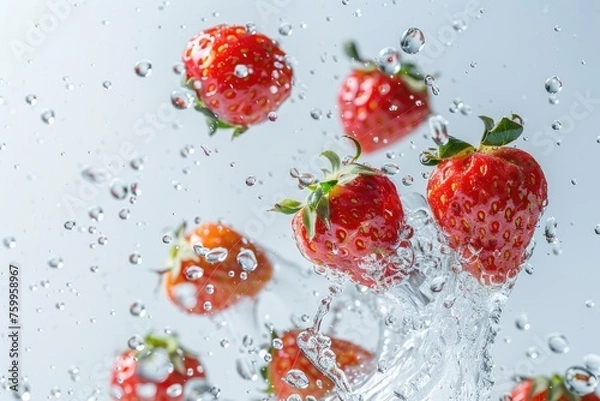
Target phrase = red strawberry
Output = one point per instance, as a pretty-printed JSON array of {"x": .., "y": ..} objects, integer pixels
[
  {"x": 488, "y": 200},
  {"x": 210, "y": 283},
  {"x": 239, "y": 76},
  {"x": 380, "y": 109},
  {"x": 352, "y": 222},
  {"x": 349, "y": 357},
  {"x": 547, "y": 389},
  {"x": 159, "y": 372}
]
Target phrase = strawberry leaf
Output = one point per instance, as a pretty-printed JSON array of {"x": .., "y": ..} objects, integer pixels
[
  {"x": 505, "y": 132},
  {"x": 309, "y": 218},
  {"x": 357, "y": 147},
  {"x": 239, "y": 130},
  {"x": 454, "y": 147},
  {"x": 327, "y": 186},
  {"x": 314, "y": 198},
  {"x": 488, "y": 123},
  {"x": 333, "y": 158},
  {"x": 351, "y": 50},
  {"x": 287, "y": 206},
  {"x": 323, "y": 211}
]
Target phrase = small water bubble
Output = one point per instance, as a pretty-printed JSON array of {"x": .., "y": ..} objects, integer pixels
[
  {"x": 556, "y": 28},
  {"x": 56, "y": 262},
  {"x": 459, "y": 25},
  {"x": 124, "y": 214},
  {"x": 558, "y": 343},
  {"x": 590, "y": 303},
  {"x": 553, "y": 85},
  {"x": 285, "y": 29},
  {"x": 31, "y": 99},
  {"x": 250, "y": 180},
  {"x": 210, "y": 289},
  {"x": 96, "y": 214},
  {"x": 412, "y": 41},
  {"x": 178, "y": 68},
  {"x": 60, "y": 305},
  {"x": 155, "y": 366},
  {"x": 553, "y": 99},
  {"x": 556, "y": 125},
  {"x": 135, "y": 258},
  {"x": 439, "y": 129},
  {"x": 55, "y": 392},
  {"x": 118, "y": 189},
  {"x": 194, "y": 272},
  {"x": 137, "y": 163},
  {"x": 136, "y": 342},
  {"x": 241, "y": 71},
  {"x": 224, "y": 343},
  {"x": 207, "y": 306},
  {"x": 532, "y": 352},
  {"x": 592, "y": 363},
  {"x": 74, "y": 373},
  {"x": 94, "y": 268},
  {"x": 246, "y": 369},
  {"x": 143, "y": 68},
  {"x": 437, "y": 284},
  {"x": 48, "y": 117},
  {"x": 174, "y": 390},
  {"x": 550, "y": 230},
  {"x": 306, "y": 179},
  {"x": 277, "y": 343},
  {"x": 246, "y": 259},
  {"x": 69, "y": 225},
  {"x": 522, "y": 322},
  {"x": 251, "y": 27},
  {"x": 390, "y": 168},
  {"x": 107, "y": 85},
  {"x": 103, "y": 240},
  {"x": 408, "y": 180},
  {"x": 182, "y": 99},
  {"x": 10, "y": 242},
  {"x": 297, "y": 378},
  {"x": 167, "y": 239},
  {"x": 216, "y": 255},
  {"x": 272, "y": 116},
  {"x": 580, "y": 381},
  {"x": 345, "y": 2},
  {"x": 388, "y": 61},
  {"x": 316, "y": 114},
  {"x": 357, "y": 13},
  {"x": 137, "y": 309}
]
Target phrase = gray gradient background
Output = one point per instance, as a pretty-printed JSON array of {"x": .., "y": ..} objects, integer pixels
[{"x": 512, "y": 42}]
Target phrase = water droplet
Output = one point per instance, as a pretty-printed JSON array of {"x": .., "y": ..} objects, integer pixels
[
  {"x": 143, "y": 68},
  {"x": 241, "y": 71},
  {"x": 174, "y": 390},
  {"x": 216, "y": 255},
  {"x": 136, "y": 190},
  {"x": 136, "y": 342},
  {"x": 556, "y": 28},
  {"x": 556, "y": 125},
  {"x": 558, "y": 343},
  {"x": 155, "y": 366},
  {"x": 224, "y": 343},
  {"x": 580, "y": 381},
  {"x": 137, "y": 309},
  {"x": 390, "y": 168},
  {"x": 182, "y": 99},
  {"x": 316, "y": 114},
  {"x": 56, "y": 262},
  {"x": 60, "y": 305},
  {"x": 439, "y": 129},
  {"x": 250, "y": 180},
  {"x": 107, "y": 85},
  {"x": 592, "y": 363},
  {"x": 118, "y": 189},
  {"x": 437, "y": 284},
  {"x": 124, "y": 214},
  {"x": 246, "y": 369},
  {"x": 345, "y": 2},
  {"x": 408, "y": 180},
  {"x": 553, "y": 85},
  {"x": 430, "y": 82},
  {"x": 31, "y": 99},
  {"x": 297, "y": 378},
  {"x": 590, "y": 303},
  {"x": 94, "y": 268},
  {"x": 48, "y": 117},
  {"x": 69, "y": 225},
  {"x": 388, "y": 61},
  {"x": 459, "y": 25},
  {"x": 207, "y": 306},
  {"x": 412, "y": 41},
  {"x": 550, "y": 230},
  {"x": 522, "y": 322},
  {"x": 272, "y": 116},
  {"x": 178, "y": 68},
  {"x": 135, "y": 258},
  {"x": 96, "y": 214},
  {"x": 285, "y": 29},
  {"x": 277, "y": 343},
  {"x": 246, "y": 259},
  {"x": 137, "y": 163},
  {"x": 74, "y": 373},
  {"x": 194, "y": 272},
  {"x": 532, "y": 353},
  {"x": 10, "y": 242}
]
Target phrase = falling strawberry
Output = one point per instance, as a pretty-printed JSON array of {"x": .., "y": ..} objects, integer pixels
[
  {"x": 547, "y": 389},
  {"x": 350, "y": 358},
  {"x": 159, "y": 371},
  {"x": 487, "y": 200},
  {"x": 214, "y": 267},
  {"x": 239, "y": 76},
  {"x": 379, "y": 109},
  {"x": 352, "y": 222}
]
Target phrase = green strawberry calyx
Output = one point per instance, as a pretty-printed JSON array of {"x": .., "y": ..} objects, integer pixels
[
  {"x": 170, "y": 344},
  {"x": 409, "y": 72},
  {"x": 495, "y": 135},
  {"x": 316, "y": 205},
  {"x": 212, "y": 121},
  {"x": 180, "y": 251},
  {"x": 554, "y": 386}
]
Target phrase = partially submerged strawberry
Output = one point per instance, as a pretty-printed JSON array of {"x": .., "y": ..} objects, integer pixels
[
  {"x": 351, "y": 222},
  {"x": 487, "y": 200},
  {"x": 239, "y": 76},
  {"x": 349, "y": 357},
  {"x": 379, "y": 109},
  {"x": 214, "y": 267},
  {"x": 159, "y": 371},
  {"x": 547, "y": 389}
]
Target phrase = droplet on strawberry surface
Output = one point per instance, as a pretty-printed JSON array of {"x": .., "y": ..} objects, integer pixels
[
  {"x": 297, "y": 378},
  {"x": 412, "y": 41},
  {"x": 155, "y": 365},
  {"x": 216, "y": 255},
  {"x": 246, "y": 259}
]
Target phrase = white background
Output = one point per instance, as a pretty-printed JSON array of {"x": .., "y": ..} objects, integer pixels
[{"x": 513, "y": 44}]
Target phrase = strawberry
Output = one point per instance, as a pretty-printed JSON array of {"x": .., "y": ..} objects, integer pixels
[
  {"x": 351, "y": 222},
  {"x": 547, "y": 389},
  {"x": 214, "y": 267},
  {"x": 487, "y": 200},
  {"x": 350, "y": 358},
  {"x": 239, "y": 76},
  {"x": 379, "y": 109},
  {"x": 159, "y": 372}
]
